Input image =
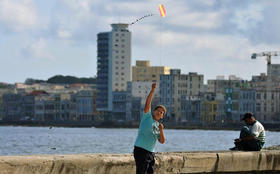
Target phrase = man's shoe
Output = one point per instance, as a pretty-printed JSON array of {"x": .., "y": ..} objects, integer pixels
[{"x": 233, "y": 148}]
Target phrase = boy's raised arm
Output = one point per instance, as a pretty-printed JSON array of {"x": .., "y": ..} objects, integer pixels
[{"x": 149, "y": 98}]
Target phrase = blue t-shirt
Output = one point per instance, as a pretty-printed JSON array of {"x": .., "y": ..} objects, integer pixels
[{"x": 148, "y": 133}]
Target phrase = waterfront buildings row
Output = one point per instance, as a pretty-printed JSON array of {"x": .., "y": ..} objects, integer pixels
[
  {"x": 121, "y": 91},
  {"x": 185, "y": 96},
  {"x": 42, "y": 106}
]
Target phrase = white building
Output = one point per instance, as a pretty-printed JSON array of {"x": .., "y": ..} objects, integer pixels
[
  {"x": 113, "y": 64},
  {"x": 142, "y": 90}
]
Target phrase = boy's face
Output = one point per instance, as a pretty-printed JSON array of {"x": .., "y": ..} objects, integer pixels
[{"x": 158, "y": 114}]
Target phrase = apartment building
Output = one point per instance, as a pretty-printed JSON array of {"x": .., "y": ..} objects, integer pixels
[
  {"x": 144, "y": 72},
  {"x": 220, "y": 84},
  {"x": 238, "y": 102},
  {"x": 138, "y": 92},
  {"x": 174, "y": 86},
  {"x": 268, "y": 105},
  {"x": 113, "y": 64}
]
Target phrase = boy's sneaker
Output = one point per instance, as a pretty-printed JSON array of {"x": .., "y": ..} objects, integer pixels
[{"x": 233, "y": 148}]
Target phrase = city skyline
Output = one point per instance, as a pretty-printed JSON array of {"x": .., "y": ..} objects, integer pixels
[{"x": 43, "y": 39}]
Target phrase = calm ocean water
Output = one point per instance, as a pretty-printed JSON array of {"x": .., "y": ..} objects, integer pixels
[{"x": 43, "y": 140}]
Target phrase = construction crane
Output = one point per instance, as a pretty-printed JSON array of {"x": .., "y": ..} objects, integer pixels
[{"x": 268, "y": 55}]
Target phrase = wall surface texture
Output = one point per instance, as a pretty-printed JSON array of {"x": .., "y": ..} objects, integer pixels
[{"x": 266, "y": 161}]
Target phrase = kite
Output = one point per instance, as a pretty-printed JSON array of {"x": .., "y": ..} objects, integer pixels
[{"x": 161, "y": 10}]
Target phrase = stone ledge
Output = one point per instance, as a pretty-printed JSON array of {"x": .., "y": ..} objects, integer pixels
[{"x": 166, "y": 163}]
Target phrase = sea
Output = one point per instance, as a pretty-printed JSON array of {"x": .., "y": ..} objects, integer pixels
[{"x": 20, "y": 140}]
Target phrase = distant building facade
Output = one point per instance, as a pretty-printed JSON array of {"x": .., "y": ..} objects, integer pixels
[
  {"x": 173, "y": 86},
  {"x": 238, "y": 102},
  {"x": 144, "y": 72},
  {"x": 138, "y": 92},
  {"x": 190, "y": 109},
  {"x": 113, "y": 64},
  {"x": 220, "y": 84}
]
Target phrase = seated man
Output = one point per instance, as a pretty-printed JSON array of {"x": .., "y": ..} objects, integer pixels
[{"x": 252, "y": 138}]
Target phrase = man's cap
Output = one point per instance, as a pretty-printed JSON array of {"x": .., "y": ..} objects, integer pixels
[{"x": 247, "y": 115}]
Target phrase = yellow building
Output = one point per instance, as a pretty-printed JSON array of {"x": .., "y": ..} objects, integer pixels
[
  {"x": 208, "y": 111},
  {"x": 144, "y": 72}
]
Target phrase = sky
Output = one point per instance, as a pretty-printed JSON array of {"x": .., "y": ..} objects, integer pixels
[{"x": 40, "y": 39}]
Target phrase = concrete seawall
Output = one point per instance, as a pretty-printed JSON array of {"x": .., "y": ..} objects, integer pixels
[{"x": 266, "y": 161}]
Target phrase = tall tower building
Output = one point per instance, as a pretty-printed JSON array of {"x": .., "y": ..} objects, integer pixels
[{"x": 113, "y": 64}]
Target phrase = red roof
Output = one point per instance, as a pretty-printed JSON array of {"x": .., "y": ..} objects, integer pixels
[
  {"x": 78, "y": 85},
  {"x": 38, "y": 92}
]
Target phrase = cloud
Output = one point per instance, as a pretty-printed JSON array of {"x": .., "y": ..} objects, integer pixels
[
  {"x": 195, "y": 33},
  {"x": 74, "y": 20},
  {"x": 18, "y": 15},
  {"x": 63, "y": 34},
  {"x": 37, "y": 49},
  {"x": 188, "y": 15},
  {"x": 201, "y": 20},
  {"x": 248, "y": 18}
]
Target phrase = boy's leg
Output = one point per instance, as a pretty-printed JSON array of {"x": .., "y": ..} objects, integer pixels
[
  {"x": 140, "y": 156},
  {"x": 141, "y": 167},
  {"x": 151, "y": 166}
]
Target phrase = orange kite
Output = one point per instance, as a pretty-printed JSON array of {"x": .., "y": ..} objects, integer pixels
[{"x": 162, "y": 10}]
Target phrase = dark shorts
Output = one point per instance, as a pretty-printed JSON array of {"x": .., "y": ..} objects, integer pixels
[{"x": 145, "y": 161}]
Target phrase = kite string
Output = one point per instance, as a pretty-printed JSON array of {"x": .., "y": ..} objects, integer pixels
[
  {"x": 160, "y": 42},
  {"x": 137, "y": 20}
]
